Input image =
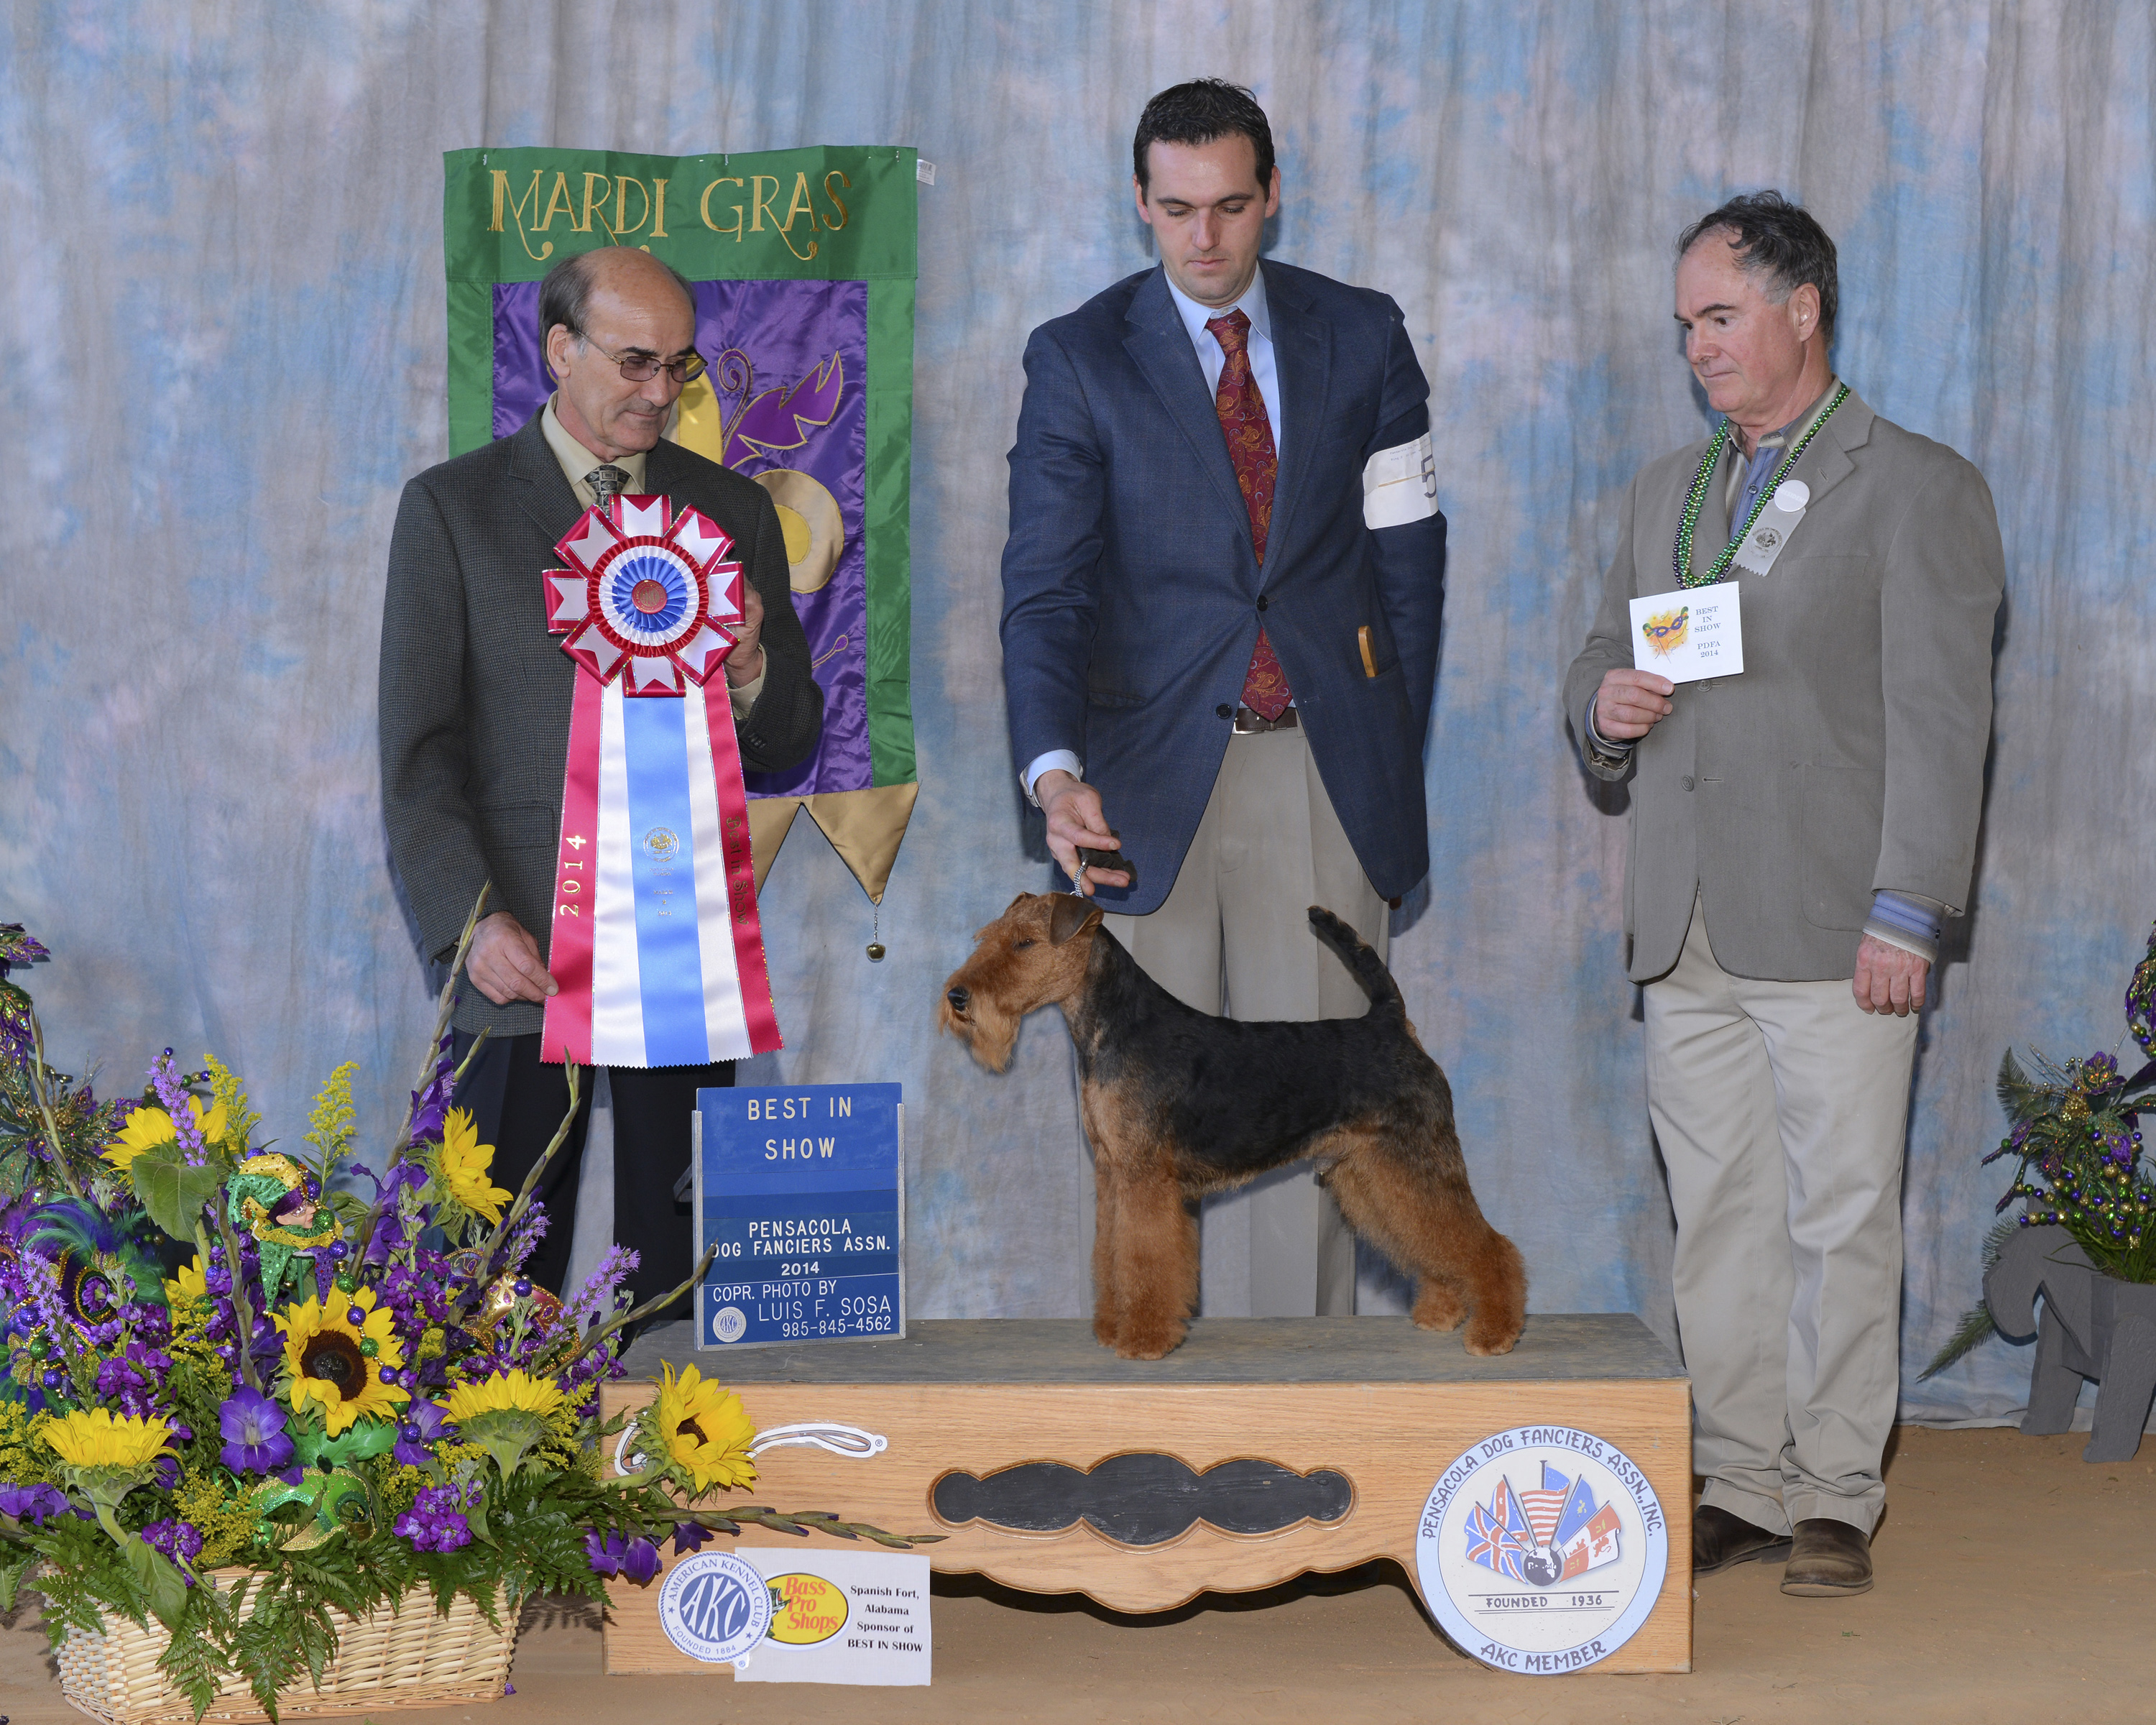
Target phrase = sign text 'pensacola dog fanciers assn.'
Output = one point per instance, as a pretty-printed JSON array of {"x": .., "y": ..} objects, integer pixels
[
  {"x": 1541, "y": 1549},
  {"x": 801, "y": 1190}
]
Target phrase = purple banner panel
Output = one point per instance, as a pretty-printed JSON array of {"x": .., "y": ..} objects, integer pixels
[{"x": 784, "y": 403}]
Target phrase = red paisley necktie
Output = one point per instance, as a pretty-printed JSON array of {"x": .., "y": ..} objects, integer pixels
[{"x": 1249, "y": 435}]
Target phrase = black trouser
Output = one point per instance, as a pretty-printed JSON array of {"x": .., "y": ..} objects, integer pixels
[{"x": 517, "y": 1101}]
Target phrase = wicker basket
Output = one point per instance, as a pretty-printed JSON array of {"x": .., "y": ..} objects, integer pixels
[{"x": 408, "y": 1656}]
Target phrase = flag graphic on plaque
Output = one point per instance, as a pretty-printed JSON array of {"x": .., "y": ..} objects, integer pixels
[{"x": 1547, "y": 1534}]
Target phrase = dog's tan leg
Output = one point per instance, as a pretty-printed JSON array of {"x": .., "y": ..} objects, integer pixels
[
  {"x": 1430, "y": 1224},
  {"x": 1106, "y": 1307},
  {"x": 1156, "y": 1264}
]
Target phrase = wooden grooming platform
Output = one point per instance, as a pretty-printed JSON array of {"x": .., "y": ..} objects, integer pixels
[{"x": 1052, "y": 1467}]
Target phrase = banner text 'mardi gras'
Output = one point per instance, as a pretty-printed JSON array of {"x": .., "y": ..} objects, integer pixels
[{"x": 607, "y": 202}]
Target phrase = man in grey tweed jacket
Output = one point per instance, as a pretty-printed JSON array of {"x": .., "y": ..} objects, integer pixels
[
  {"x": 475, "y": 700},
  {"x": 1799, "y": 830}
]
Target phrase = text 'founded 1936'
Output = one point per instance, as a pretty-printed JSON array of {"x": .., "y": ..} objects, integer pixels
[{"x": 801, "y": 1193}]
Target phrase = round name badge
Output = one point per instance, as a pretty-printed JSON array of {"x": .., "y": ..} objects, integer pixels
[
  {"x": 1792, "y": 496},
  {"x": 715, "y": 1607},
  {"x": 1541, "y": 1549}
]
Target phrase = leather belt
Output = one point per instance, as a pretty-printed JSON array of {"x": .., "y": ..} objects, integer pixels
[{"x": 1251, "y": 724}]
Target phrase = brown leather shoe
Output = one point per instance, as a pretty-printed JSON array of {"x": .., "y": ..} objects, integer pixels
[
  {"x": 1719, "y": 1539},
  {"x": 1827, "y": 1560}
]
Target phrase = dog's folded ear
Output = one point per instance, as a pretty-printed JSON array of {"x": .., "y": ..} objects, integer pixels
[{"x": 1069, "y": 915}]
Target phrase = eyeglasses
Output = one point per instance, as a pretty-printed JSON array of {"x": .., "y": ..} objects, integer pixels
[{"x": 642, "y": 367}]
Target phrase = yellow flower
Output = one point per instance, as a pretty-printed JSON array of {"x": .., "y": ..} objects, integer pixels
[
  {"x": 465, "y": 1164},
  {"x": 328, "y": 1367},
  {"x": 504, "y": 1390},
  {"x": 146, "y": 1129},
  {"x": 95, "y": 1439},
  {"x": 706, "y": 1429},
  {"x": 189, "y": 1285}
]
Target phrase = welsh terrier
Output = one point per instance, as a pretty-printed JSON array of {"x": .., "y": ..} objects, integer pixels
[{"x": 1177, "y": 1103}]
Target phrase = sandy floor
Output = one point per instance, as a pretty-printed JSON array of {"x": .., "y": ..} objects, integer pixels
[{"x": 2013, "y": 1585}]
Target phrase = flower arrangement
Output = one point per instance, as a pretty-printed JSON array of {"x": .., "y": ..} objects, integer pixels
[
  {"x": 2075, "y": 1128},
  {"x": 216, "y": 1355}
]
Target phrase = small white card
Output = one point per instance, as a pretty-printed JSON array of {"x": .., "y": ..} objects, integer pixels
[
  {"x": 841, "y": 1617},
  {"x": 1693, "y": 633}
]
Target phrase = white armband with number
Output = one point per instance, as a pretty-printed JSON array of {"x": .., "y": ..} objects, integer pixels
[{"x": 1400, "y": 485}]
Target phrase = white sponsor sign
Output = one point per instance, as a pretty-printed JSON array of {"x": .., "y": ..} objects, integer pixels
[{"x": 842, "y": 1617}]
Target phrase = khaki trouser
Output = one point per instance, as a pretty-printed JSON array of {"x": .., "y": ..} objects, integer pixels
[
  {"x": 1235, "y": 934},
  {"x": 1781, "y": 1110}
]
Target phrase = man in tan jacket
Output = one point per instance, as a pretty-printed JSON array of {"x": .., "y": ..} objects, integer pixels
[{"x": 1798, "y": 831}]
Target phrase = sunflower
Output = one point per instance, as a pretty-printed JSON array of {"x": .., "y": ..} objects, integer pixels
[
  {"x": 189, "y": 1283},
  {"x": 147, "y": 1128},
  {"x": 465, "y": 1164},
  {"x": 95, "y": 1439},
  {"x": 331, "y": 1362},
  {"x": 505, "y": 1390},
  {"x": 706, "y": 1430}
]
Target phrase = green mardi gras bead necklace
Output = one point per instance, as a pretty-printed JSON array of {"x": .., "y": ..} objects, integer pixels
[{"x": 1681, "y": 556}]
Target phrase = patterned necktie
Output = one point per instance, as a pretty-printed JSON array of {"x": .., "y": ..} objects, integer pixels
[
  {"x": 606, "y": 484},
  {"x": 1249, "y": 435}
]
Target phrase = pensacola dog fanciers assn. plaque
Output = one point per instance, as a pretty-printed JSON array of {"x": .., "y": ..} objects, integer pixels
[
  {"x": 1541, "y": 1549},
  {"x": 800, "y": 1192}
]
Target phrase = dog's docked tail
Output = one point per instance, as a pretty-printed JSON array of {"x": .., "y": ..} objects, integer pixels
[{"x": 1367, "y": 969}]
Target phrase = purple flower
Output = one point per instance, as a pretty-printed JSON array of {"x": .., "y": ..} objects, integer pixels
[
  {"x": 32, "y": 1503},
  {"x": 252, "y": 1426},
  {"x": 435, "y": 1520},
  {"x": 180, "y": 1541},
  {"x": 689, "y": 1536},
  {"x": 604, "y": 1551},
  {"x": 431, "y": 1105},
  {"x": 165, "y": 1079},
  {"x": 424, "y": 1424}
]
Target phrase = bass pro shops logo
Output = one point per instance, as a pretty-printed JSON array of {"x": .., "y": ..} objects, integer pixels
[{"x": 1541, "y": 1549}]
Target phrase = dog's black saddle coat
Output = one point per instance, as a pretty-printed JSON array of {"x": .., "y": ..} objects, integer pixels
[
  {"x": 1241, "y": 1097},
  {"x": 1145, "y": 1498}
]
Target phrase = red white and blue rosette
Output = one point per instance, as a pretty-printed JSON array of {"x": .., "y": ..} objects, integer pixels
[
  {"x": 648, "y": 594},
  {"x": 656, "y": 947}
]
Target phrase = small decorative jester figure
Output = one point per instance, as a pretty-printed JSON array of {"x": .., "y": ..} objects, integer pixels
[{"x": 277, "y": 1202}]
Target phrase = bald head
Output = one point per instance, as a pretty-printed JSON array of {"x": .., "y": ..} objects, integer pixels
[{"x": 598, "y": 309}]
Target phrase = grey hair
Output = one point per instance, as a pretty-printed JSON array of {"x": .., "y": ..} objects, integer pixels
[{"x": 1776, "y": 239}]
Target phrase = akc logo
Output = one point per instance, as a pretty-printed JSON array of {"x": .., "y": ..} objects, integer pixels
[
  {"x": 1541, "y": 1549},
  {"x": 715, "y": 1607}
]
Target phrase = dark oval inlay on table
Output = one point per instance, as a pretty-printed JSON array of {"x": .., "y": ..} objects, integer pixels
[{"x": 1145, "y": 1498}]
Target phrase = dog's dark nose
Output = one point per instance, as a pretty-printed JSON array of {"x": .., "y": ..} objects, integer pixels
[{"x": 958, "y": 997}]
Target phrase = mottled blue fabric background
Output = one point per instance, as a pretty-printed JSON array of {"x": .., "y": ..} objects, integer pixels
[{"x": 221, "y": 355}]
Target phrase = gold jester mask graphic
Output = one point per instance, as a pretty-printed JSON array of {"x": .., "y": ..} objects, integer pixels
[{"x": 1665, "y": 631}]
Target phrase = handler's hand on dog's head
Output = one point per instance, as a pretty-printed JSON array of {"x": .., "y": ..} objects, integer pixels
[
  {"x": 504, "y": 962},
  {"x": 1074, "y": 819},
  {"x": 1629, "y": 704}
]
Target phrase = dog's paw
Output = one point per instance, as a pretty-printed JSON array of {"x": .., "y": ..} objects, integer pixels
[
  {"x": 1484, "y": 1343},
  {"x": 1148, "y": 1341},
  {"x": 1439, "y": 1308}
]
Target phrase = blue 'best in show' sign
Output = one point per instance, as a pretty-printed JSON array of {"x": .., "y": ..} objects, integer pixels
[{"x": 801, "y": 1190}]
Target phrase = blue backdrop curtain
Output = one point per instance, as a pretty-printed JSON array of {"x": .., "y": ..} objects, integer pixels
[{"x": 221, "y": 355}]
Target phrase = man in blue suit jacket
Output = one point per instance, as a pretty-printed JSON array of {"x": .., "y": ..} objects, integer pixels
[{"x": 1220, "y": 664}]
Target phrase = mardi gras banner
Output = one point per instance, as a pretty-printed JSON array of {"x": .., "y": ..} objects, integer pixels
[{"x": 803, "y": 264}]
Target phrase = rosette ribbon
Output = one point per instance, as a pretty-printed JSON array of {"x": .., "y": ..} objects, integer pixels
[{"x": 656, "y": 951}]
